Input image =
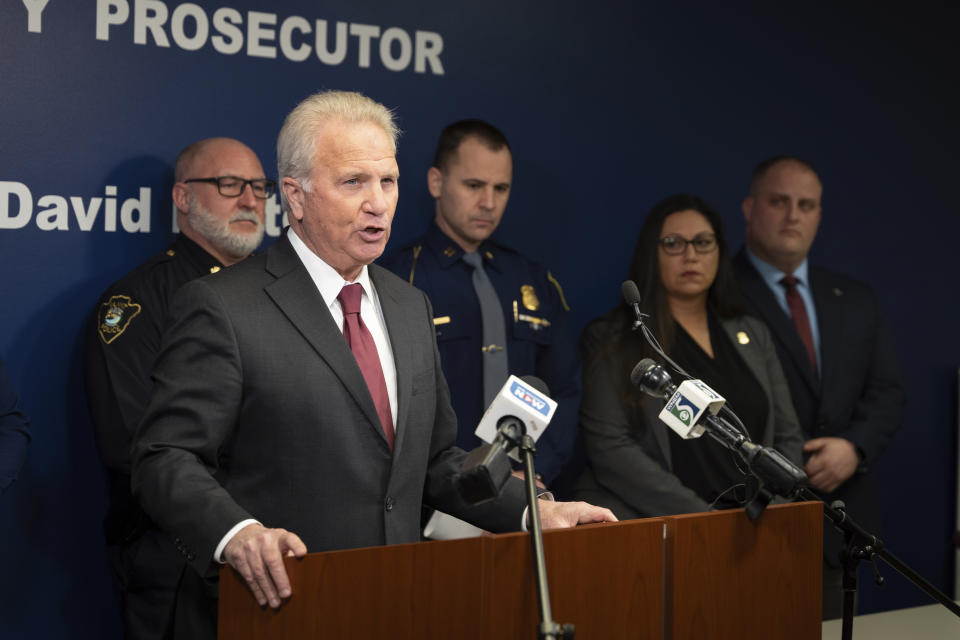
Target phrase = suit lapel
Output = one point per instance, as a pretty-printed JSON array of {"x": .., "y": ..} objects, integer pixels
[
  {"x": 295, "y": 293},
  {"x": 399, "y": 330},
  {"x": 759, "y": 296},
  {"x": 757, "y": 367}
]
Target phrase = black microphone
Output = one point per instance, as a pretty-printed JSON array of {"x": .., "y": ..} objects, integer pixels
[
  {"x": 652, "y": 378},
  {"x": 779, "y": 475},
  {"x": 488, "y": 467},
  {"x": 631, "y": 295}
]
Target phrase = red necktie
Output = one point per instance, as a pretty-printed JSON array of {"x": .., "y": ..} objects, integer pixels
[
  {"x": 798, "y": 312},
  {"x": 365, "y": 351}
]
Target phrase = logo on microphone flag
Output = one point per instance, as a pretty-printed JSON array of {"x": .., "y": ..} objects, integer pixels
[
  {"x": 681, "y": 407},
  {"x": 529, "y": 398}
]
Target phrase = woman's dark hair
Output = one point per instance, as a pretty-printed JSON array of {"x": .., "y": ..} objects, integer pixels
[{"x": 627, "y": 347}]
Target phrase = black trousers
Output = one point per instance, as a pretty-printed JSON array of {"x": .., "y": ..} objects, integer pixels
[{"x": 146, "y": 571}]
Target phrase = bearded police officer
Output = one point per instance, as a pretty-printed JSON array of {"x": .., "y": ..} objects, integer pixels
[{"x": 220, "y": 192}]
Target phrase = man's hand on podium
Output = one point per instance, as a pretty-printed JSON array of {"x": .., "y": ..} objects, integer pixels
[
  {"x": 257, "y": 552},
  {"x": 560, "y": 515}
]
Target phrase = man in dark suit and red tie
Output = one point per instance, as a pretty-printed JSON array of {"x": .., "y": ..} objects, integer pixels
[
  {"x": 837, "y": 354},
  {"x": 299, "y": 402}
]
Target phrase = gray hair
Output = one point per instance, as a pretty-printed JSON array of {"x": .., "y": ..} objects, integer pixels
[{"x": 297, "y": 142}]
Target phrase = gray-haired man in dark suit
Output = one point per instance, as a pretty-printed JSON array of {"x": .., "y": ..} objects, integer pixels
[{"x": 299, "y": 401}]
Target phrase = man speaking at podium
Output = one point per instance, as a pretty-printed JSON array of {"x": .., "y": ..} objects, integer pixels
[{"x": 302, "y": 389}]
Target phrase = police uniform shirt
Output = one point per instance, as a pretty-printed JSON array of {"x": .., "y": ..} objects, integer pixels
[
  {"x": 123, "y": 339},
  {"x": 121, "y": 343},
  {"x": 536, "y": 317}
]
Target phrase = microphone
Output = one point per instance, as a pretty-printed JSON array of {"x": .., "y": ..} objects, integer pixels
[
  {"x": 521, "y": 407},
  {"x": 690, "y": 408},
  {"x": 526, "y": 399},
  {"x": 691, "y": 411},
  {"x": 631, "y": 295}
]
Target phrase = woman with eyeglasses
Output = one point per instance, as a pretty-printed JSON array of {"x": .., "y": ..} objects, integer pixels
[{"x": 638, "y": 467}]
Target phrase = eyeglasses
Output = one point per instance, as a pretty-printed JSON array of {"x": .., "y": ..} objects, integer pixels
[
  {"x": 232, "y": 186},
  {"x": 674, "y": 245}
]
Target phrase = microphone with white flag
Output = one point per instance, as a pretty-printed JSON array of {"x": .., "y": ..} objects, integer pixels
[
  {"x": 521, "y": 407},
  {"x": 525, "y": 398},
  {"x": 691, "y": 410}
]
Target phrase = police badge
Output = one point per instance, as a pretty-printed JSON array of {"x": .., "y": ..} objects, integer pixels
[{"x": 529, "y": 297}]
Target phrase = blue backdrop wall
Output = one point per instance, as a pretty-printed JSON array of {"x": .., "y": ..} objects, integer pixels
[{"x": 609, "y": 107}]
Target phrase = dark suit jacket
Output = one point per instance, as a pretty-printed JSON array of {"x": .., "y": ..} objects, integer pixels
[
  {"x": 260, "y": 411},
  {"x": 860, "y": 394},
  {"x": 631, "y": 468}
]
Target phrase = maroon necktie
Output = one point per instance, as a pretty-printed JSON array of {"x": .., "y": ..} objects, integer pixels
[
  {"x": 365, "y": 351},
  {"x": 798, "y": 312}
]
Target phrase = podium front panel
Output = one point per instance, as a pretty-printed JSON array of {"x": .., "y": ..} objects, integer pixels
[
  {"x": 605, "y": 579},
  {"x": 730, "y": 578},
  {"x": 427, "y": 590}
]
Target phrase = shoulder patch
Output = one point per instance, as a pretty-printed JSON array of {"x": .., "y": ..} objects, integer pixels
[{"x": 114, "y": 317}]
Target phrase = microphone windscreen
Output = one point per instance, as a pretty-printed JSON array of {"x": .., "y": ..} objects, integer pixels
[
  {"x": 537, "y": 384},
  {"x": 641, "y": 370},
  {"x": 630, "y": 292}
]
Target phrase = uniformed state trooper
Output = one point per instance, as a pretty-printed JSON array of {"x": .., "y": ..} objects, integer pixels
[
  {"x": 495, "y": 312},
  {"x": 219, "y": 193}
]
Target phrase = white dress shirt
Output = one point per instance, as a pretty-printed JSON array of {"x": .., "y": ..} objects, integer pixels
[{"x": 329, "y": 283}]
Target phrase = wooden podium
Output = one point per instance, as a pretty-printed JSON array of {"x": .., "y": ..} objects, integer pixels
[
  {"x": 711, "y": 575},
  {"x": 727, "y": 577}
]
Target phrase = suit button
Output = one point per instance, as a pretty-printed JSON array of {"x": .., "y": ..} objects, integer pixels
[
  {"x": 388, "y": 505},
  {"x": 190, "y": 557}
]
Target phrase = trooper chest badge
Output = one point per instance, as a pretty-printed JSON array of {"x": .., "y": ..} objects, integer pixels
[
  {"x": 114, "y": 317},
  {"x": 529, "y": 297}
]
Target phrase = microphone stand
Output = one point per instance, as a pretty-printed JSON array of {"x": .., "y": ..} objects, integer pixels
[
  {"x": 859, "y": 544},
  {"x": 781, "y": 477},
  {"x": 548, "y": 629}
]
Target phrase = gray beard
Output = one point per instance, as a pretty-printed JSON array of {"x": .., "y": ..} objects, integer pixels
[{"x": 217, "y": 232}]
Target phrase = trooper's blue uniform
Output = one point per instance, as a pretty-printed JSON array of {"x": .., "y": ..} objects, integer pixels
[{"x": 538, "y": 343}]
